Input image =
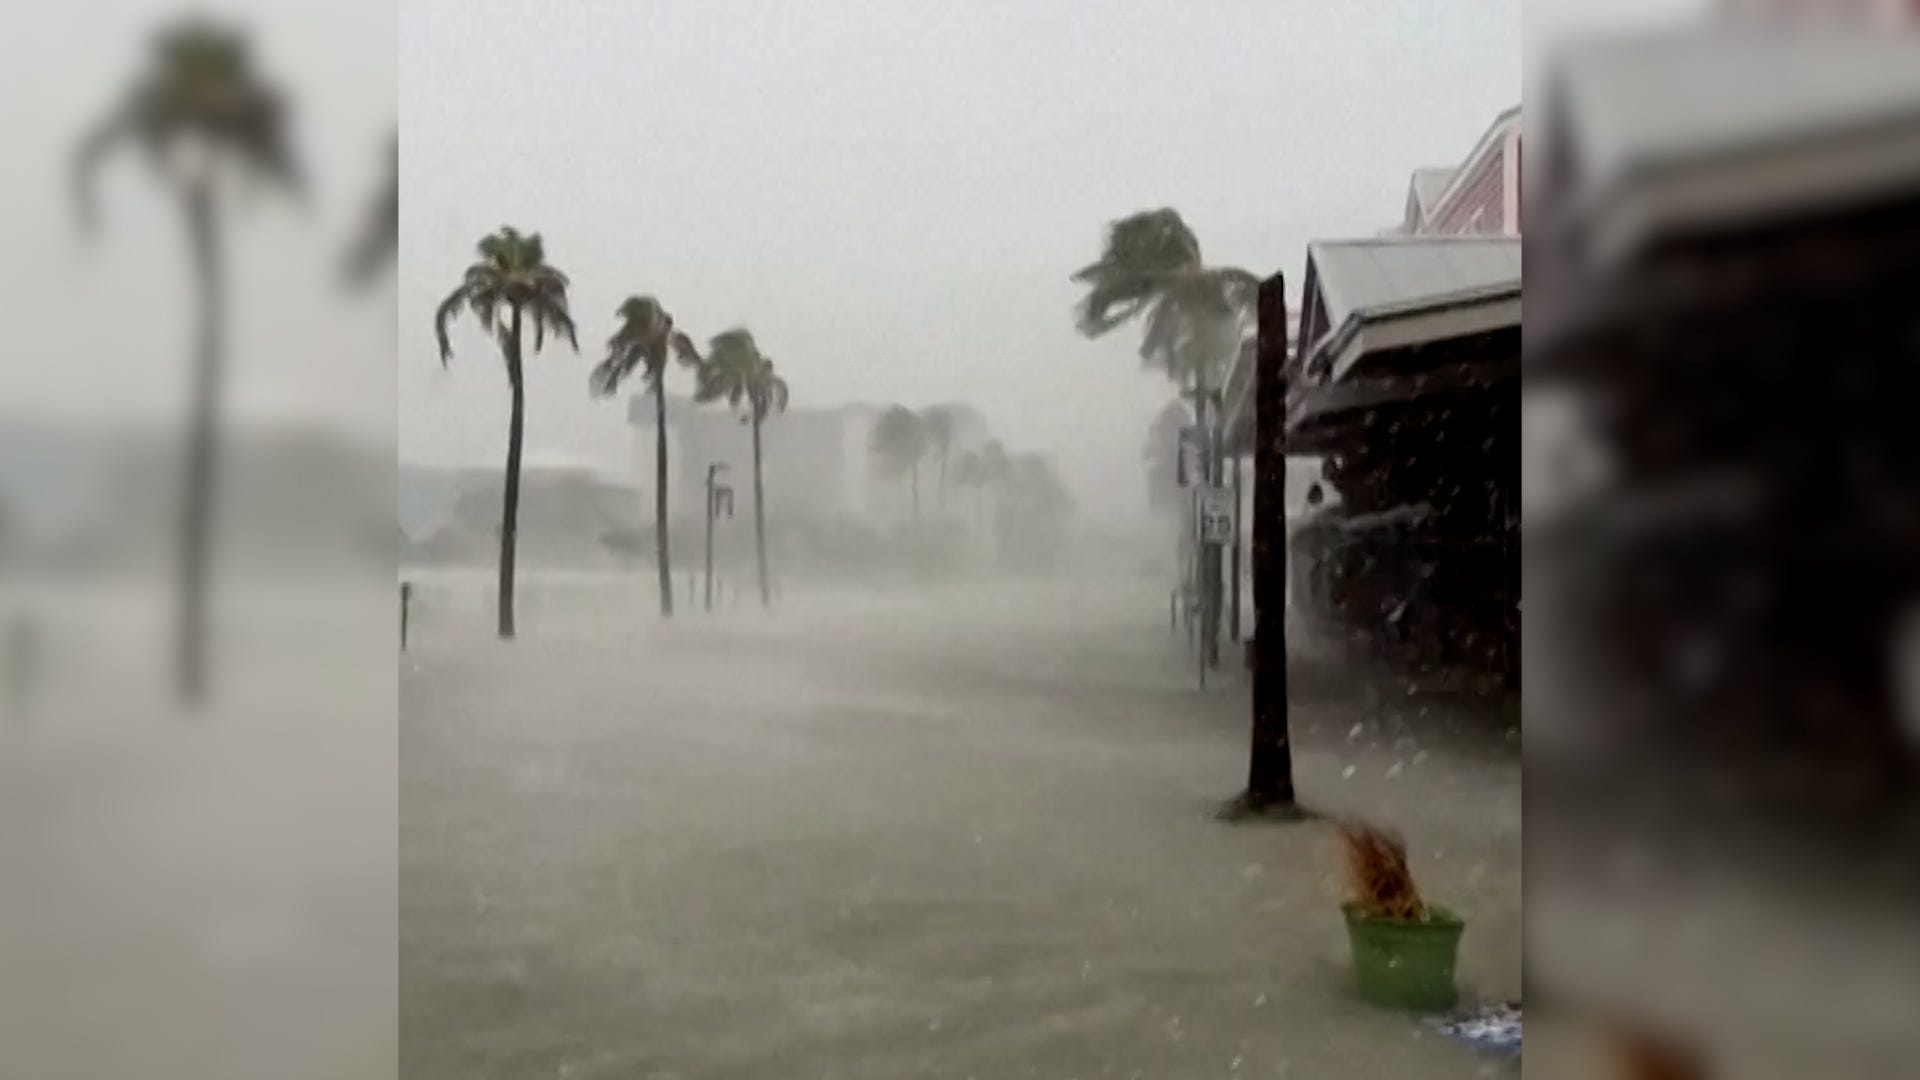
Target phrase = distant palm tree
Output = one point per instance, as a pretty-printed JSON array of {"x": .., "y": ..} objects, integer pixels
[
  {"x": 940, "y": 423},
  {"x": 511, "y": 273},
  {"x": 645, "y": 340},
  {"x": 898, "y": 442},
  {"x": 379, "y": 239},
  {"x": 735, "y": 370},
  {"x": 992, "y": 471},
  {"x": 199, "y": 111},
  {"x": 1195, "y": 316}
]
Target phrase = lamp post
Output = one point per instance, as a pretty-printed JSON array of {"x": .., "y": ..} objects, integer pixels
[{"x": 718, "y": 496}]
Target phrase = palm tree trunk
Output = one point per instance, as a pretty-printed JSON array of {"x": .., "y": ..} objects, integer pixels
[
  {"x": 760, "y": 516},
  {"x": 196, "y": 522},
  {"x": 1270, "y": 768},
  {"x": 943, "y": 481},
  {"x": 510, "y": 506},
  {"x": 660, "y": 494},
  {"x": 914, "y": 482}
]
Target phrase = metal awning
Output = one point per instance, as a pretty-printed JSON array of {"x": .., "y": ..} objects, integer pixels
[{"x": 1369, "y": 296}]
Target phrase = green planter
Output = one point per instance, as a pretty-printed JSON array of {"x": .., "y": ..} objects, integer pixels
[{"x": 1405, "y": 964}]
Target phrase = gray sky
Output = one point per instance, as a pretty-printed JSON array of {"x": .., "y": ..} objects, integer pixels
[{"x": 892, "y": 195}]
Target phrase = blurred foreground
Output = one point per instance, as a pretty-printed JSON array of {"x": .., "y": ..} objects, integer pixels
[{"x": 945, "y": 833}]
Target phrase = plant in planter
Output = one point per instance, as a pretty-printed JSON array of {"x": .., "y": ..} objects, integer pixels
[{"x": 1403, "y": 947}]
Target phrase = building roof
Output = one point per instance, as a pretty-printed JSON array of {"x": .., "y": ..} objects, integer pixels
[
  {"x": 1652, "y": 100},
  {"x": 1383, "y": 274},
  {"x": 1428, "y": 184}
]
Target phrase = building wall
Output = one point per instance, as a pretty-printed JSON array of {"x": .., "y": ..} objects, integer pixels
[{"x": 1485, "y": 198}]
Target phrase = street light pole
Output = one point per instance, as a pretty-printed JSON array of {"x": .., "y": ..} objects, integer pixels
[{"x": 714, "y": 492}]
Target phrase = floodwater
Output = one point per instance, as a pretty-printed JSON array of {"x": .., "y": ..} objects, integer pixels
[{"x": 956, "y": 833}]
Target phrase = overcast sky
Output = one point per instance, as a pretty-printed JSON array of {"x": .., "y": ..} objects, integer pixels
[{"x": 893, "y": 194}]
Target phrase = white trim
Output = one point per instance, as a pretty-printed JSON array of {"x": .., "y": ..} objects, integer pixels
[{"x": 1422, "y": 327}]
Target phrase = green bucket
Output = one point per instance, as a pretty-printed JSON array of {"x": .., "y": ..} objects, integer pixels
[{"x": 1405, "y": 963}]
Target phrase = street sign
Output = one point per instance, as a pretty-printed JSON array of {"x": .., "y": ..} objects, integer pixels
[{"x": 1215, "y": 506}]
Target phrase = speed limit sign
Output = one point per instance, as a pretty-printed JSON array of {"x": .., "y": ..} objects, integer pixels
[{"x": 1216, "y": 515}]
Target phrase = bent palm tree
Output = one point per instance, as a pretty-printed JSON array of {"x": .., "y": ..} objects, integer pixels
[
  {"x": 736, "y": 371},
  {"x": 509, "y": 284},
  {"x": 199, "y": 112},
  {"x": 645, "y": 340},
  {"x": 1194, "y": 317},
  {"x": 898, "y": 442}
]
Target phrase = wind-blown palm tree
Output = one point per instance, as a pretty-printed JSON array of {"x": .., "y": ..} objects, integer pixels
[
  {"x": 509, "y": 285},
  {"x": 202, "y": 115},
  {"x": 736, "y": 371},
  {"x": 1193, "y": 315},
  {"x": 379, "y": 239},
  {"x": 645, "y": 340},
  {"x": 898, "y": 442}
]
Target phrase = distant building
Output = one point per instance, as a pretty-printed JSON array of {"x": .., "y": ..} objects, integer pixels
[{"x": 815, "y": 460}]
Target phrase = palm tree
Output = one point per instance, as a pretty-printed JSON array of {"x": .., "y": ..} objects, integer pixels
[
  {"x": 967, "y": 473},
  {"x": 995, "y": 467},
  {"x": 512, "y": 272},
  {"x": 736, "y": 370},
  {"x": 645, "y": 340},
  {"x": 200, "y": 112},
  {"x": 1194, "y": 316},
  {"x": 379, "y": 239},
  {"x": 898, "y": 442},
  {"x": 939, "y": 423}
]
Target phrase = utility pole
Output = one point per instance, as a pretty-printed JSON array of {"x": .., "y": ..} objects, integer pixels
[
  {"x": 717, "y": 493},
  {"x": 1269, "y": 793}
]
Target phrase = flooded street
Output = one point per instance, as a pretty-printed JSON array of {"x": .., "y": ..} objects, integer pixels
[{"x": 956, "y": 833}]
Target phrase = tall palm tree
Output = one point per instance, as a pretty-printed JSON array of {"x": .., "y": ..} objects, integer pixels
[
  {"x": 379, "y": 239},
  {"x": 939, "y": 423},
  {"x": 645, "y": 340},
  {"x": 1193, "y": 317},
  {"x": 736, "y": 371},
  {"x": 203, "y": 117},
  {"x": 898, "y": 442},
  {"x": 510, "y": 284}
]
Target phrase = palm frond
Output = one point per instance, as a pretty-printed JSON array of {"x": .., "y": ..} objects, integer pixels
[
  {"x": 608, "y": 374},
  {"x": 442, "y": 315},
  {"x": 685, "y": 351},
  {"x": 379, "y": 239}
]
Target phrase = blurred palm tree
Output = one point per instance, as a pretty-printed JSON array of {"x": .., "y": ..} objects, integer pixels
[
  {"x": 987, "y": 468},
  {"x": 736, "y": 371},
  {"x": 898, "y": 442},
  {"x": 645, "y": 340},
  {"x": 510, "y": 284},
  {"x": 940, "y": 424},
  {"x": 1194, "y": 317},
  {"x": 379, "y": 240},
  {"x": 204, "y": 119}
]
